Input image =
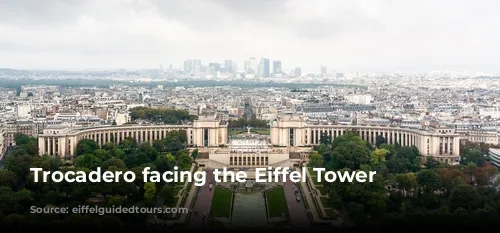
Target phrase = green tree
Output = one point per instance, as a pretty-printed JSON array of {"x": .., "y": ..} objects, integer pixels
[
  {"x": 194, "y": 155},
  {"x": 119, "y": 154},
  {"x": 315, "y": 160},
  {"x": 325, "y": 139},
  {"x": 174, "y": 145},
  {"x": 162, "y": 164},
  {"x": 47, "y": 163},
  {"x": 377, "y": 203},
  {"x": 430, "y": 162},
  {"x": 492, "y": 173},
  {"x": 470, "y": 169},
  {"x": 349, "y": 151},
  {"x": 378, "y": 156},
  {"x": 7, "y": 199},
  {"x": 21, "y": 139},
  {"x": 139, "y": 180},
  {"x": 27, "y": 144},
  {"x": 86, "y": 146},
  {"x": 473, "y": 156},
  {"x": 379, "y": 140},
  {"x": 168, "y": 193},
  {"x": 408, "y": 182},
  {"x": 360, "y": 192},
  {"x": 19, "y": 163},
  {"x": 391, "y": 148},
  {"x": 350, "y": 155},
  {"x": 89, "y": 161},
  {"x": 113, "y": 162},
  {"x": 347, "y": 137},
  {"x": 110, "y": 147},
  {"x": 149, "y": 150},
  {"x": 149, "y": 190},
  {"x": 449, "y": 177},
  {"x": 398, "y": 165},
  {"x": 116, "y": 200},
  {"x": 159, "y": 145},
  {"x": 8, "y": 179},
  {"x": 322, "y": 149},
  {"x": 429, "y": 180},
  {"x": 128, "y": 144},
  {"x": 163, "y": 115},
  {"x": 184, "y": 162},
  {"x": 170, "y": 157},
  {"x": 465, "y": 196},
  {"x": 102, "y": 154}
]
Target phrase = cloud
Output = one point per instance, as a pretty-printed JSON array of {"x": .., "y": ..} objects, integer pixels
[
  {"x": 355, "y": 34},
  {"x": 33, "y": 13},
  {"x": 295, "y": 17}
]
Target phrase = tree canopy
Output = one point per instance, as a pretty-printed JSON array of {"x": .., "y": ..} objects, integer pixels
[
  {"x": 18, "y": 191},
  {"x": 409, "y": 191},
  {"x": 163, "y": 115}
]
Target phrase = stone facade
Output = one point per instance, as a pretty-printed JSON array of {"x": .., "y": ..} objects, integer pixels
[
  {"x": 288, "y": 134},
  {"x": 441, "y": 143}
]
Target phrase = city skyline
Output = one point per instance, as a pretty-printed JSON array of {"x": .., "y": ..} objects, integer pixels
[{"x": 345, "y": 36}]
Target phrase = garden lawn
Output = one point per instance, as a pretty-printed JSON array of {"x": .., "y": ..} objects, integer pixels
[
  {"x": 221, "y": 203},
  {"x": 276, "y": 202}
]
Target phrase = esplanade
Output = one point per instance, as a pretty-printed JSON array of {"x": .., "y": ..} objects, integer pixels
[{"x": 289, "y": 135}]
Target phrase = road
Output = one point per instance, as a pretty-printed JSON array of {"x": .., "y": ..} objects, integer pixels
[
  {"x": 297, "y": 210},
  {"x": 3, "y": 154},
  {"x": 203, "y": 203}
]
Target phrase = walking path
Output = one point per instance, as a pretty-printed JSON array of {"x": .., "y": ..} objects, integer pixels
[
  {"x": 201, "y": 209},
  {"x": 296, "y": 209}
]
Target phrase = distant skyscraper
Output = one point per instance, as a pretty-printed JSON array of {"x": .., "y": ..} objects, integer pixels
[
  {"x": 340, "y": 75},
  {"x": 213, "y": 69},
  {"x": 297, "y": 72},
  {"x": 246, "y": 66},
  {"x": 192, "y": 66},
  {"x": 264, "y": 63},
  {"x": 251, "y": 66},
  {"x": 215, "y": 66},
  {"x": 277, "y": 67},
  {"x": 323, "y": 69},
  {"x": 196, "y": 65},
  {"x": 188, "y": 66},
  {"x": 260, "y": 72},
  {"x": 228, "y": 66}
]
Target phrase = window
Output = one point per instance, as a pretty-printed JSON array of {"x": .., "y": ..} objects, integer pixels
[{"x": 205, "y": 137}]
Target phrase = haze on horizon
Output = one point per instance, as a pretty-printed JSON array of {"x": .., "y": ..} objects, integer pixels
[{"x": 354, "y": 35}]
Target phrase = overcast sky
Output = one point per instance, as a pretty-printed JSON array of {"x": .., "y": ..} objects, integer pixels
[{"x": 347, "y": 35}]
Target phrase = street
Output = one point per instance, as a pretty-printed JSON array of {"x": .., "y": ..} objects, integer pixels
[
  {"x": 297, "y": 210},
  {"x": 203, "y": 203}
]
